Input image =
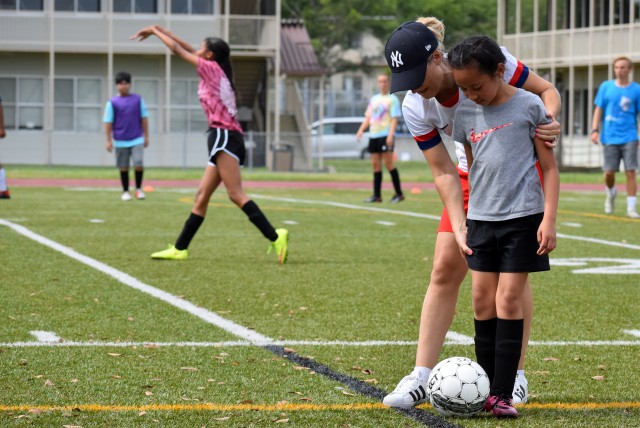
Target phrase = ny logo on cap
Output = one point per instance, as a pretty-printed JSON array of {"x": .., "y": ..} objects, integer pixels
[
  {"x": 428, "y": 48},
  {"x": 396, "y": 59}
]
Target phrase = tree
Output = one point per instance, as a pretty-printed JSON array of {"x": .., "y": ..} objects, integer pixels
[{"x": 332, "y": 23}]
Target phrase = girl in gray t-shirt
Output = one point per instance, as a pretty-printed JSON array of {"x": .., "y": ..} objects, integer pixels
[{"x": 511, "y": 222}]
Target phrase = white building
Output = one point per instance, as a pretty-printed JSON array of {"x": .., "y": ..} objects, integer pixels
[
  {"x": 572, "y": 43},
  {"x": 58, "y": 59}
]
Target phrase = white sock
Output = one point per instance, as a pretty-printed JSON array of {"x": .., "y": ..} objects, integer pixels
[
  {"x": 631, "y": 203},
  {"x": 611, "y": 190},
  {"x": 3, "y": 180},
  {"x": 422, "y": 373},
  {"x": 521, "y": 375}
]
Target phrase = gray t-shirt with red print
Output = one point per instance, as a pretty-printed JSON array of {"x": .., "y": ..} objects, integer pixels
[{"x": 504, "y": 179}]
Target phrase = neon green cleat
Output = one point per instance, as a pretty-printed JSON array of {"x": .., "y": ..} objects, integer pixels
[
  {"x": 280, "y": 245},
  {"x": 171, "y": 253}
]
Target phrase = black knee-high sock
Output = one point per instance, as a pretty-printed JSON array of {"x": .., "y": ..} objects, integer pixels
[
  {"x": 252, "y": 210},
  {"x": 139, "y": 175},
  {"x": 189, "y": 230},
  {"x": 377, "y": 183},
  {"x": 124, "y": 179},
  {"x": 508, "y": 349},
  {"x": 395, "y": 177},
  {"x": 485, "y": 341}
]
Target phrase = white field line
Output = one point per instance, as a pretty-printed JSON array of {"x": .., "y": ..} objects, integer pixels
[
  {"x": 427, "y": 216},
  {"x": 204, "y": 314},
  {"x": 635, "y": 333},
  {"x": 368, "y": 343},
  {"x": 348, "y": 206},
  {"x": 45, "y": 336}
]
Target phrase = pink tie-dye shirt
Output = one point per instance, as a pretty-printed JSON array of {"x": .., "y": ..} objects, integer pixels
[{"x": 216, "y": 96}]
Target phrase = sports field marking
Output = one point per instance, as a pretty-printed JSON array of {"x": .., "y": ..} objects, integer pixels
[
  {"x": 436, "y": 218},
  {"x": 385, "y": 223},
  {"x": 45, "y": 336},
  {"x": 237, "y": 330},
  {"x": 602, "y": 216},
  {"x": 611, "y": 266},
  {"x": 369, "y": 343},
  {"x": 292, "y": 407},
  {"x": 204, "y": 314}
]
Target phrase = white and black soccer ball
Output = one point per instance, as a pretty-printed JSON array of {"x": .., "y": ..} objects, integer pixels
[{"x": 458, "y": 386}]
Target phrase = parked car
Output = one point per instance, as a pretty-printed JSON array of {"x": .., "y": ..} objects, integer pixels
[{"x": 339, "y": 137}]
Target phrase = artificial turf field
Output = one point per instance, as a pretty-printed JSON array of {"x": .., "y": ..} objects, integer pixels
[{"x": 96, "y": 334}]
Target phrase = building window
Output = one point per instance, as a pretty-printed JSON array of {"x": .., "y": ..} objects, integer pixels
[
  {"x": 77, "y": 104},
  {"x": 23, "y": 101},
  {"x": 186, "y": 112},
  {"x": 135, "y": 6},
  {"x": 621, "y": 10},
  {"x": 544, "y": 15},
  {"x": 510, "y": 17},
  {"x": 195, "y": 7},
  {"x": 601, "y": 12},
  {"x": 148, "y": 90},
  {"x": 78, "y": 5},
  {"x": 21, "y": 4}
]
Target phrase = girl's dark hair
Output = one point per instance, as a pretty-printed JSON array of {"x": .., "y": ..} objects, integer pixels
[
  {"x": 479, "y": 51},
  {"x": 222, "y": 53}
]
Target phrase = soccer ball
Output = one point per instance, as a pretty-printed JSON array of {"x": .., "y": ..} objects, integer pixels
[{"x": 458, "y": 387}]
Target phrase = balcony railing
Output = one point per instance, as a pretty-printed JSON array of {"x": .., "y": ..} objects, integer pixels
[{"x": 69, "y": 32}]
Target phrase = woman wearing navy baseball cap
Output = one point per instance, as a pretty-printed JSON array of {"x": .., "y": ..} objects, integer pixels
[{"x": 418, "y": 63}]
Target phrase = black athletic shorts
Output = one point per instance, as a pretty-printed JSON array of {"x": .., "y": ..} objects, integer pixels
[
  {"x": 231, "y": 142},
  {"x": 379, "y": 145},
  {"x": 506, "y": 246}
]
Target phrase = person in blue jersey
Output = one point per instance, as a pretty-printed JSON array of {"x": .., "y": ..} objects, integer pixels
[
  {"x": 615, "y": 126},
  {"x": 381, "y": 118},
  {"x": 126, "y": 124},
  {"x": 419, "y": 65}
]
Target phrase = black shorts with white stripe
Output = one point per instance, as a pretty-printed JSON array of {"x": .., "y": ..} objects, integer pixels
[{"x": 231, "y": 142}]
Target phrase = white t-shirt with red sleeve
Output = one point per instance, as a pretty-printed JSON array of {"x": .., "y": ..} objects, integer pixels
[
  {"x": 426, "y": 118},
  {"x": 216, "y": 96}
]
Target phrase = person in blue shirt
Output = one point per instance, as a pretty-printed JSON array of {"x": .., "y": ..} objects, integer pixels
[
  {"x": 381, "y": 118},
  {"x": 127, "y": 128},
  {"x": 615, "y": 125}
]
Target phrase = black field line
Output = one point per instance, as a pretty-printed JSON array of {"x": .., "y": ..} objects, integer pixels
[
  {"x": 256, "y": 339},
  {"x": 419, "y": 415}
]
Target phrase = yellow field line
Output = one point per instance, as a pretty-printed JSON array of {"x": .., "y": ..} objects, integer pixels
[
  {"x": 599, "y": 216},
  {"x": 284, "y": 407}
]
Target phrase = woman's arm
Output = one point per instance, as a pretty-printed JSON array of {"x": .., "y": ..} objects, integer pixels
[
  {"x": 176, "y": 45},
  {"x": 552, "y": 103},
  {"x": 447, "y": 181}
]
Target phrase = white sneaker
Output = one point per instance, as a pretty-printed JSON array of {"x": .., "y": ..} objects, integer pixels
[
  {"x": 140, "y": 194},
  {"x": 610, "y": 200},
  {"x": 520, "y": 390},
  {"x": 126, "y": 196},
  {"x": 632, "y": 213},
  {"x": 409, "y": 393}
]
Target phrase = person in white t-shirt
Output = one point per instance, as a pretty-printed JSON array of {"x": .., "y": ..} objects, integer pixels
[{"x": 418, "y": 62}]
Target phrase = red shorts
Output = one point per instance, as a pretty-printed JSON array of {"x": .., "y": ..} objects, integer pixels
[{"x": 445, "y": 221}]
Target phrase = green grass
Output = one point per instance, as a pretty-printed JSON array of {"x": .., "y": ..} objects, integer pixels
[{"x": 348, "y": 279}]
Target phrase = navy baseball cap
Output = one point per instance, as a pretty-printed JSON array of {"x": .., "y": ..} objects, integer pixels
[{"x": 407, "y": 52}]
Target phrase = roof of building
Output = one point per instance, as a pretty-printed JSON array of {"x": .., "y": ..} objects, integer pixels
[{"x": 297, "y": 54}]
